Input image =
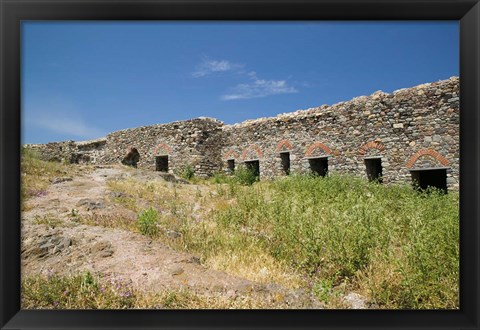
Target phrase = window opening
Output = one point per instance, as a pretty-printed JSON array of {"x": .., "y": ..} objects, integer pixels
[
  {"x": 429, "y": 177},
  {"x": 374, "y": 169},
  {"x": 161, "y": 163},
  {"x": 319, "y": 166},
  {"x": 254, "y": 165},
  {"x": 231, "y": 165},
  {"x": 285, "y": 157}
]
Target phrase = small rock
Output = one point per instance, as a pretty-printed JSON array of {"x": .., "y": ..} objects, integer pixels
[
  {"x": 231, "y": 294},
  {"x": 105, "y": 253},
  {"x": 46, "y": 246},
  {"x": 355, "y": 301},
  {"x": 177, "y": 271},
  {"x": 195, "y": 260},
  {"x": 117, "y": 194},
  {"x": 90, "y": 204},
  {"x": 100, "y": 246},
  {"x": 60, "y": 179},
  {"x": 173, "y": 234}
]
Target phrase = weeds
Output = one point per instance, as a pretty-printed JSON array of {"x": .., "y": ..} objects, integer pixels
[
  {"x": 396, "y": 246},
  {"x": 87, "y": 291},
  {"x": 48, "y": 220},
  {"x": 37, "y": 174},
  {"x": 147, "y": 222},
  {"x": 121, "y": 220},
  {"x": 339, "y": 228},
  {"x": 187, "y": 172},
  {"x": 245, "y": 176},
  {"x": 78, "y": 292}
]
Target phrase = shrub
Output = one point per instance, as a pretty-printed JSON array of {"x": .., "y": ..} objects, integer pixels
[
  {"x": 187, "y": 172},
  {"x": 245, "y": 176},
  {"x": 219, "y": 177},
  {"x": 147, "y": 222},
  {"x": 400, "y": 247}
]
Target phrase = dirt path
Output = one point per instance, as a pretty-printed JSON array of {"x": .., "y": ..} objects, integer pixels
[{"x": 71, "y": 248}]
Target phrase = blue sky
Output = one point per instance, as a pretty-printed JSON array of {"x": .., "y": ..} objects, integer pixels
[{"x": 83, "y": 80}]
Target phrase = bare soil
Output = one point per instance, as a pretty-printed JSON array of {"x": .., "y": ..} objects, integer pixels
[{"x": 70, "y": 248}]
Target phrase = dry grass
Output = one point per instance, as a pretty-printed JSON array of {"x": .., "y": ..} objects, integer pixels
[
  {"x": 87, "y": 291},
  {"x": 331, "y": 236},
  {"x": 196, "y": 220},
  {"x": 256, "y": 266},
  {"x": 48, "y": 220},
  {"x": 37, "y": 174},
  {"x": 122, "y": 220}
]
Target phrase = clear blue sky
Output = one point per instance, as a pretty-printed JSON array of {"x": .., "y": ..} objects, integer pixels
[{"x": 84, "y": 80}]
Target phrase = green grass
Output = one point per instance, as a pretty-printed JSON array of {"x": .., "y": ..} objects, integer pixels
[
  {"x": 398, "y": 246},
  {"x": 187, "y": 172},
  {"x": 37, "y": 174},
  {"x": 48, "y": 220},
  {"x": 244, "y": 175},
  {"x": 87, "y": 291},
  {"x": 147, "y": 222},
  {"x": 77, "y": 292}
]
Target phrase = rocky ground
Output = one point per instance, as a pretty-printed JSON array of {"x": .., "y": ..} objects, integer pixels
[{"x": 53, "y": 241}]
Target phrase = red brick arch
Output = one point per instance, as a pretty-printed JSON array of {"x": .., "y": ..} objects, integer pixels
[
  {"x": 231, "y": 153},
  {"x": 371, "y": 145},
  {"x": 282, "y": 144},
  {"x": 317, "y": 145},
  {"x": 426, "y": 152},
  {"x": 253, "y": 147},
  {"x": 162, "y": 146}
]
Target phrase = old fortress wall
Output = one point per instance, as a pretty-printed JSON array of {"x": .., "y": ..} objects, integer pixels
[{"x": 412, "y": 132}]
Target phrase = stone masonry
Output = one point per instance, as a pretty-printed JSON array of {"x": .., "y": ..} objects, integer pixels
[{"x": 410, "y": 129}]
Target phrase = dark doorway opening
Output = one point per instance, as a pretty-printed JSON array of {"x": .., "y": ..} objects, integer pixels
[
  {"x": 285, "y": 156},
  {"x": 430, "y": 177},
  {"x": 161, "y": 163},
  {"x": 231, "y": 165},
  {"x": 254, "y": 166},
  {"x": 319, "y": 166},
  {"x": 374, "y": 169}
]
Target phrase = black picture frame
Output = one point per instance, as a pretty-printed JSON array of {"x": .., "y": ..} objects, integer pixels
[{"x": 12, "y": 12}]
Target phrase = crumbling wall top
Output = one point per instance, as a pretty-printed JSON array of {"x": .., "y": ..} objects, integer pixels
[{"x": 357, "y": 102}]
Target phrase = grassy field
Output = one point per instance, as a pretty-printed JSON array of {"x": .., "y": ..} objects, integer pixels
[
  {"x": 397, "y": 247},
  {"x": 38, "y": 174},
  {"x": 85, "y": 291}
]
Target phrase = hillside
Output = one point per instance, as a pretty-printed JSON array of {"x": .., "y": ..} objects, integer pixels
[{"x": 118, "y": 237}]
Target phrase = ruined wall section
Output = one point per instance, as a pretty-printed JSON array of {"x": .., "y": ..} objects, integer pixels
[
  {"x": 196, "y": 143},
  {"x": 410, "y": 128},
  {"x": 54, "y": 151},
  {"x": 86, "y": 152}
]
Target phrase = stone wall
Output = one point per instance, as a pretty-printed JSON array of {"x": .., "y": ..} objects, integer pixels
[
  {"x": 194, "y": 143},
  {"x": 70, "y": 151},
  {"x": 408, "y": 129}
]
